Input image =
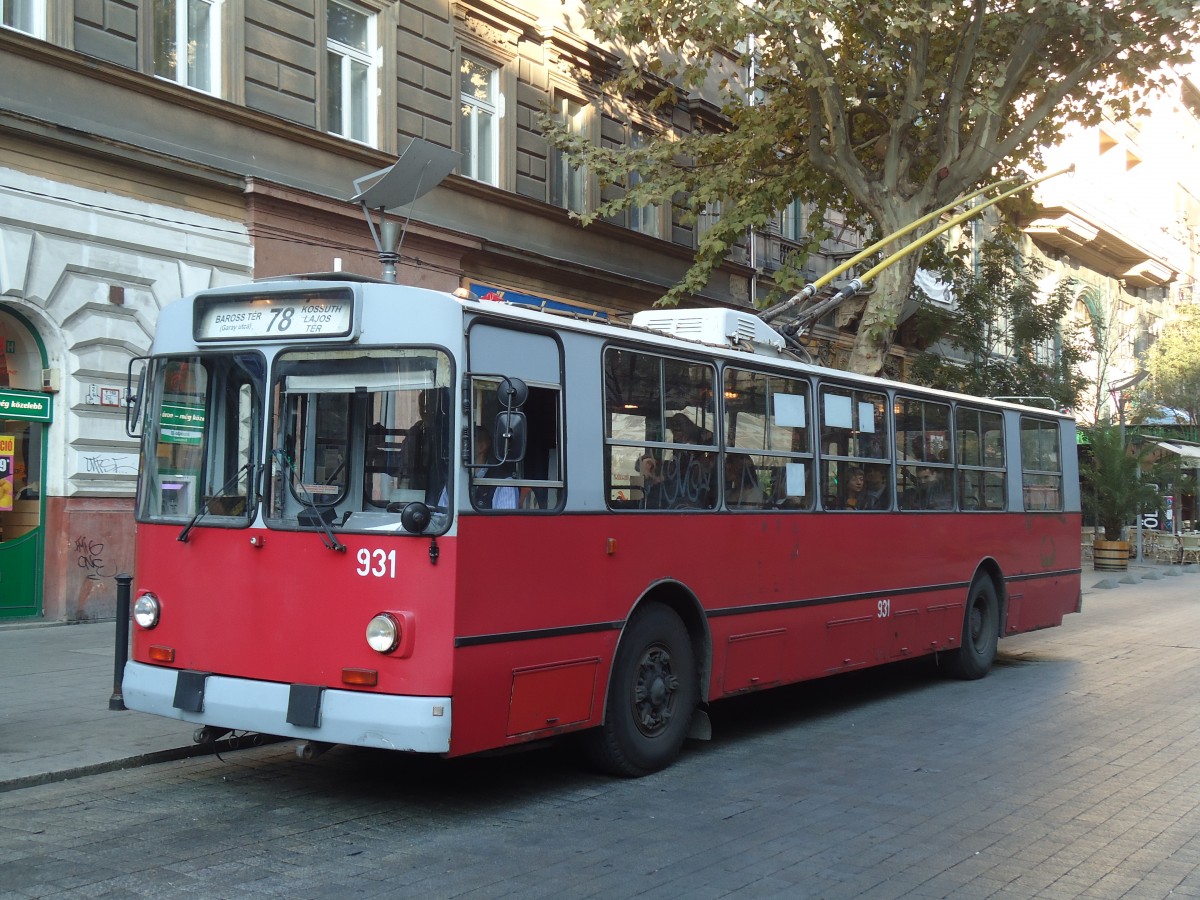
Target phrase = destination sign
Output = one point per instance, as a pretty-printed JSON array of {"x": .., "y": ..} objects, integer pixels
[{"x": 318, "y": 314}]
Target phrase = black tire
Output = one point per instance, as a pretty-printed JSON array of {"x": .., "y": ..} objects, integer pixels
[
  {"x": 980, "y": 634},
  {"x": 652, "y": 693}
]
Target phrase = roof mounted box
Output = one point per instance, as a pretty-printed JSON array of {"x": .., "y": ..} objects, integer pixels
[{"x": 722, "y": 327}]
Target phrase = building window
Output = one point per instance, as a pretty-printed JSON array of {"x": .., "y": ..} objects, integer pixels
[
  {"x": 479, "y": 120},
  {"x": 707, "y": 219},
  {"x": 28, "y": 16},
  {"x": 350, "y": 42},
  {"x": 643, "y": 219},
  {"x": 792, "y": 222},
  {"x": 187, "y": 43},
  {"x": 570, "y": 182}
]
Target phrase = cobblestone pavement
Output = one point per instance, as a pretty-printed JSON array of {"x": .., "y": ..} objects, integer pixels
[{"x": 1072, "y": 770}]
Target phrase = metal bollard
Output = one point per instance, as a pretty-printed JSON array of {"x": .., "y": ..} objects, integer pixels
[{"x": 121, "y": 650}]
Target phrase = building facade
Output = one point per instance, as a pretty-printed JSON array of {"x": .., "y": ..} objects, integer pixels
[
  {"x": 151, "y": 148},
  {"x": 1124, "y": 229}
]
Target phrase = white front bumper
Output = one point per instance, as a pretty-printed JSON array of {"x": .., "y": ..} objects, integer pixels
[{"x": 417, "y": 724}]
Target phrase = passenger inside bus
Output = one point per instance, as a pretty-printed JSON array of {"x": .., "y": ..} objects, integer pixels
[
  {"x": 414, "y": 452},
  {"x": 486, "y": 496},
  {"x": 741, "y": 482},
  {"x": 967, "y": 497},
  {"x": 424, "y": 455},
  {"x": 930, "y": 491},
  {"x": 875, "y": 488},
  {"x": 689, "y": 476},
  {"x": 853, "y": 494}
]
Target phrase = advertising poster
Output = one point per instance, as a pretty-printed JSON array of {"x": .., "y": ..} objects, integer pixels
[{"x": 8, "y": 445}]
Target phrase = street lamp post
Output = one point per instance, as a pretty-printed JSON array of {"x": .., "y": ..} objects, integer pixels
[{"x": 1118, "y": 390}]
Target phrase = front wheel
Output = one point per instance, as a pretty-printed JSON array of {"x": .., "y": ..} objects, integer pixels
[
  {"x": 651, "y": 696},
  {"x": 980, "y": 634}
]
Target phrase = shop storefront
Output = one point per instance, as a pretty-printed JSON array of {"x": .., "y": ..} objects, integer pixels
[{"x": 25, "y": 416}]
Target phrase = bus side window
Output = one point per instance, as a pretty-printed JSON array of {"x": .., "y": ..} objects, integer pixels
[
  {"x": 979, "y": 453},
  {"x": 660, "y": 433}
]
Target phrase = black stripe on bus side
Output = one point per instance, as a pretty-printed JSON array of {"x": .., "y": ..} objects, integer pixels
[
  {"x": 872, "y": 595},
  {"x": 477, "y": 640},
  {"x": 1058, "y": 573},
  {"x": 834, "y": 598}
]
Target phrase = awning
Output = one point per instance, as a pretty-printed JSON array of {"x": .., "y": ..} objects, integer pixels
[{"x": 1189, "y": 452}]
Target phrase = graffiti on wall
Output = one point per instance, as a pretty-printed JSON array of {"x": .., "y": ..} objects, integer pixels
[{"x": 90, "y": 558}]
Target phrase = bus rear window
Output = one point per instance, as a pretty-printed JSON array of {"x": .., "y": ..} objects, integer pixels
[{"x": 1041, "y": 467}]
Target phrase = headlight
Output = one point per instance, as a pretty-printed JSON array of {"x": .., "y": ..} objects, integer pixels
[
  {"x": 383, "y": 633},
  {"x": 145, "y": 610}
]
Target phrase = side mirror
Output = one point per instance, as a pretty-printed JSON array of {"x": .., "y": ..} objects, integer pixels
[
  {"x": 508, "y": 437},
  {"x": 415, "y": 517},
  {"x": 512, "y": 393},
  {"x": 134, "y": 396}
]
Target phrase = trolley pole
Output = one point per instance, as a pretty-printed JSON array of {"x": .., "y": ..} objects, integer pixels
[{"x": 121, "y": 650}]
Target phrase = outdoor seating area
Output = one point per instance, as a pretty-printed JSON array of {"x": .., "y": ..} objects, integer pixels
[
  {"x": 1163, "y": 546},
  {"x": 1157, "y": 546}
]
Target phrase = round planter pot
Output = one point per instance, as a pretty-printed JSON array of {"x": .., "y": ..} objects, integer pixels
[{"x": 1111, "y": 556}]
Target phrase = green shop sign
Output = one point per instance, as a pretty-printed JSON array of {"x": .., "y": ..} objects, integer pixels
[
  {"x": 181, "y": 423},
  {"x": 25, "y": 405}
]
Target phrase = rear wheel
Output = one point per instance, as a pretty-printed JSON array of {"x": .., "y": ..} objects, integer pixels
[
  {"x": 980, "y": 634},
  {"x": 651, "y": 696}
]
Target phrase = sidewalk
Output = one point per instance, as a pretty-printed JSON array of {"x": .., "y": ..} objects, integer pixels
[{"x": 56, "y": 682}]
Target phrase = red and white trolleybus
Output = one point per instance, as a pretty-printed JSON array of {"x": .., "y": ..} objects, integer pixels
[{"x": 378, "y": 515}]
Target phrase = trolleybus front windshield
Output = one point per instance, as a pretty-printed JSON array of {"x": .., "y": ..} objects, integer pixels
[
  {"x": 201, "y": 442},
  {"x": 356, "y": 435}
]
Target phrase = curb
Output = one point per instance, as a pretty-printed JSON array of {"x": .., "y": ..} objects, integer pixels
[{"x": 211, "y": 748}]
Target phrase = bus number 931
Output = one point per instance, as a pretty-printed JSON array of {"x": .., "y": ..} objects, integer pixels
[{"x": 377, "y": 563}]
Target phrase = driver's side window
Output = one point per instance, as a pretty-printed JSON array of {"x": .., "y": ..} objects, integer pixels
[{"x": 499, "y": 476}]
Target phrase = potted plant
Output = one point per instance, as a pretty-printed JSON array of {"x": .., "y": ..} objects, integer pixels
[{"x": 1113, "y": 492}]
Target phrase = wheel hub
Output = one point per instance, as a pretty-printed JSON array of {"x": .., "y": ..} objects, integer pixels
[{"x": 654, "y": 691}]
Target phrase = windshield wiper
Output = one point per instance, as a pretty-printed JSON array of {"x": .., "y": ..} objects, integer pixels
[
  {"x": 317, "y": 515},
  {"x": 204, "y": 507}
]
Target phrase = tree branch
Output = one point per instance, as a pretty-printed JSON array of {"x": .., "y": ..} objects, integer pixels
[{"x": 950, "y": 134}]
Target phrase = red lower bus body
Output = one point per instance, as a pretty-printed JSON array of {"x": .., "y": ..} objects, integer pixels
[{"x": 521, "y": 639}]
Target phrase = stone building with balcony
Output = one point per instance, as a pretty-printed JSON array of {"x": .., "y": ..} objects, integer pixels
[
  {"x": 152, "y": 148},
  {"x": 1124, "y": 229}
]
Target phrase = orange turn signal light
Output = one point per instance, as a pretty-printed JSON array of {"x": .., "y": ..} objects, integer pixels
[
  {"x": 360, "y": 677},
  {"x": 159, "y": 653}
]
